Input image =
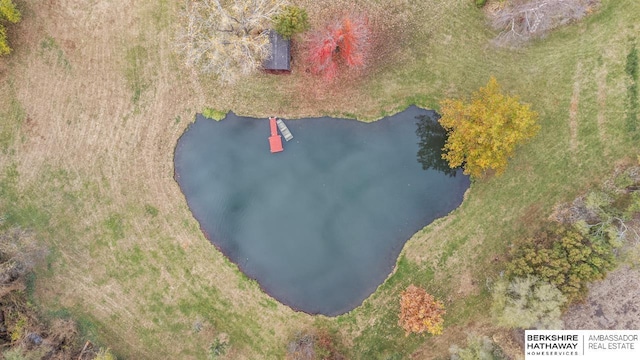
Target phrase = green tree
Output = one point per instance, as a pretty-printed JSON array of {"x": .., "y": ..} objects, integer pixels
[
  {"x": 8, "y": 13},
  {"x": 292, "y": 20},
  {"x": 483, "y": 133},
  {"x": 566, "y": 258}
]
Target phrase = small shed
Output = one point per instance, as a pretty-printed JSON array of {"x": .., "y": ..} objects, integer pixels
[{"x": 280, "y": 59}]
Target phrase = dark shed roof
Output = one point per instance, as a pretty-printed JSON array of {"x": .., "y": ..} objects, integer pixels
[{"x": 280, "y": 53}]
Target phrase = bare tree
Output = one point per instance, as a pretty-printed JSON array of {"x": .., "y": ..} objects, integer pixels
[
  {"x": 527, "y": 302},
  {"x": 302, "y": 347},
  {"x": 227, "y": 37},
  {"x": 521, "y": 21}
]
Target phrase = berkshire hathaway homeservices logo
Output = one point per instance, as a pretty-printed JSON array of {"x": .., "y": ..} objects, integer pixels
[
  {"x": 582, "y": 344},
  {"x": 552, "y": 344}
]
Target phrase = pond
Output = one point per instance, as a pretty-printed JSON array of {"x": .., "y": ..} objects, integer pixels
[{"x": 320, "y": 225}]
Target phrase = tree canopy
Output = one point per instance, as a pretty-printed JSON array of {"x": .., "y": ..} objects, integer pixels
[
  {"x": 227, "y": 38},
  {"x": 347, "y": 40},
  {"x": 8, "y": 13},
  {"x": 566, "y": 258},
  {"x": 420, "y": 312},
  {"x": 292, "y": 20},
  {"x": 484, "y": 132}
]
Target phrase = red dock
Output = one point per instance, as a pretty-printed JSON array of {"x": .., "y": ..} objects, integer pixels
[{"x": 275, "y": 141}]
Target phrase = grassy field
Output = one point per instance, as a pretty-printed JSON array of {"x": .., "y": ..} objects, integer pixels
[{"x": 94, "y": 100}]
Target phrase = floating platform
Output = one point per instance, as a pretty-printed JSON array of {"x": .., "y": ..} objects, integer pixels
[
  {"x": 275, "y": 141},
  {"x": 284, "y": 130}
]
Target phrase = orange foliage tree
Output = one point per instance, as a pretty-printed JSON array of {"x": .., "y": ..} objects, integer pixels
[
  {"x": 347, "y": 39},
  {"x": 420, "y": 312}
]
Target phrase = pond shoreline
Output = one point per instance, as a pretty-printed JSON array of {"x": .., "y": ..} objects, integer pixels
[{"x": 384, "y": 264}]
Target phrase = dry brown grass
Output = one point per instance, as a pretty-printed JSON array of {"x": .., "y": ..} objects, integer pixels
[
  {"x": 105, "y": 100},
  {"x": 613, "y": 303},
  {"x": 110, "y": 123},
  {"x": 81, "y": 119}
]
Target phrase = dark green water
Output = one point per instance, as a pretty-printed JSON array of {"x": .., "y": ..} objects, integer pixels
[{"x": 320, "y": 225}]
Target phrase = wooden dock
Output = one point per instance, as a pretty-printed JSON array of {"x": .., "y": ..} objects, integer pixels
[
  {"x": 284, "y": 130},
  {"x": 275, "y": 141}
]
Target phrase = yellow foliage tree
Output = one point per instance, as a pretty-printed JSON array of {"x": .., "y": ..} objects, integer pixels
[
  {"x": 420, "y": 312},
  {"x": 8, "y": 12},
  {"x": 483, "y": 133}
]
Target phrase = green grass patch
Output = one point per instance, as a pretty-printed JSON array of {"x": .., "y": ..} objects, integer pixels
[
  {"x": 631, "y": 69},
  {"x": 136, "y": 60},
  {"x": 15, "y": 211},
  {"x": 51, "y": 52},
  {"x": 151, "y": 210},
  {"x": 269, "y": 304},
  {"x": 8, "y": 186},
  {"x": 114, "y": 225},
  {"x": 406, "y": 273},
  {"x": 465, "y": 310},
  {"x": 161, "y": 14},
  {"x": 12, "y": 116},
  {"x": 385, "y": 339},
  {"x": 214, "y": 114}
]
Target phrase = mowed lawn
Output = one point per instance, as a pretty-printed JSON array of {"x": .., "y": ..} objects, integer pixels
[{"x": 93, "y": 102}]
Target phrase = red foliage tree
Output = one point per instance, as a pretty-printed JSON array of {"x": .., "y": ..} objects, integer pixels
[
  {"x": 420, "y": 312},
  {"x": 347, "y": 39}
]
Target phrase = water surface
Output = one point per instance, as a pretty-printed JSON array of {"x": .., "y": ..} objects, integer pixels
[{"x": 320, "y": 225}]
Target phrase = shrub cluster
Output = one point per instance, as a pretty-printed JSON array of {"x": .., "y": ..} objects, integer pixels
[
  {"x": 314, "y": 344},
  {"x": 527, "y": 302},
  {"x": 477, "y": 348},
  {"x": 565, "y": 257},
  {"x": 290, "y": 21},
  {"x": 214, "y": 114},
  {"x": 551, "y": 269}
]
